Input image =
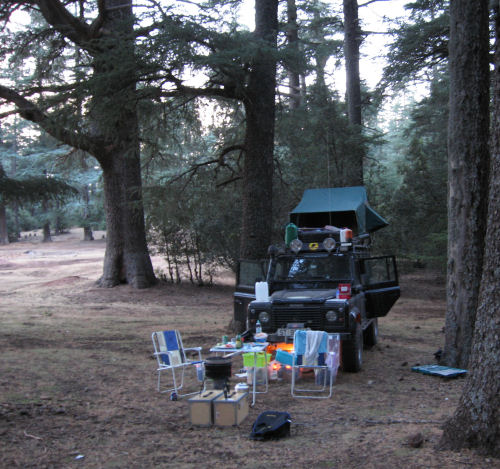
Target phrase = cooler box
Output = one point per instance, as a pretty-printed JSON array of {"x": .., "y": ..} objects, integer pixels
[
  {"x": 230, "y": 411},
  {"x": 286, "y": 358},
  {"x": 201, "y": 410}
]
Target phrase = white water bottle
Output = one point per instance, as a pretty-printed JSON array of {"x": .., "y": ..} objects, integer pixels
[{"x": 258, "y": 327}]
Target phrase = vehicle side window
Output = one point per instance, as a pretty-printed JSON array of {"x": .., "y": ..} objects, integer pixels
[
  {"x": 281, "y": 271},
  {"x": 378, "y": 270},
  {"x": 251, "y": 272}
]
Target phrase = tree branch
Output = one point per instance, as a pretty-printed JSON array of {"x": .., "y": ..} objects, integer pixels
[
  {"x": 31, "y": 112},
  {"x": 370, "y": 2},
  {"x": 182, "y": 90},
  {"x": 229, "y": 181},
  {"x": 64, "y": 22},
  {"x": 219, "y": 162}
]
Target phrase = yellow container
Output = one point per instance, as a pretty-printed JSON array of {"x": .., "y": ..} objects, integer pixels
[{"x": 248, "y": 360}]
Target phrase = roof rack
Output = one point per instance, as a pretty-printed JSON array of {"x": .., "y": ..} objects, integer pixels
[{"x": 341, "y": 240}]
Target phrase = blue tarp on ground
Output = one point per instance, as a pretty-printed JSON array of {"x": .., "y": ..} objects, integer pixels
[{"x": 437, "y": 370}]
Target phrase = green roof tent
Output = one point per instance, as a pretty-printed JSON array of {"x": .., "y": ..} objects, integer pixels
[{"x": 343, "y": 207}]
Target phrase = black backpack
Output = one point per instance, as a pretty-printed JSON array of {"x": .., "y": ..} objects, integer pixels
[{"x": 271, "y": 425}]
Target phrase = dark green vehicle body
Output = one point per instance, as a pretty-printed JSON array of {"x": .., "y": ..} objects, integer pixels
[{"x": 304, "y": 283}]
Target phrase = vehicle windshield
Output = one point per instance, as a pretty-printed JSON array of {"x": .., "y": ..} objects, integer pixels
[{"x": 304, "y": 269}]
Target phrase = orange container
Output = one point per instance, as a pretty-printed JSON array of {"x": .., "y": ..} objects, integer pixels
[{"x": 345, "y": 235}]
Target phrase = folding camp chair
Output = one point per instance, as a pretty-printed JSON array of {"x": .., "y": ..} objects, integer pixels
[
  {"x": 171, "y": 355},
  {"x": 310, "y": 351}
]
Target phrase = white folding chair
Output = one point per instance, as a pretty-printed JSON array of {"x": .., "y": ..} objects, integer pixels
[
  {"x": 171, "y": 356},
  {"x": 310, "y": 351}
]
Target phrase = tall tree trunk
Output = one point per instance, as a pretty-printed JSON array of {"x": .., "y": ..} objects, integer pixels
[
  {"x": 292, "y": 34},
  {"x": 126, "y": 258},
  {"x": 13, "y": 171},
  {"x": 87, "y": 228},
  {"x": 4, "y": 234},
  {"x": 259, "y": 138},
  {"x": 352, "y": 42},
  {"x": 468, "y": 159},
  {"x": 17, "y": 225},
  {"x": 476, "y": 422},
  {"x": 46, "y": 233}
]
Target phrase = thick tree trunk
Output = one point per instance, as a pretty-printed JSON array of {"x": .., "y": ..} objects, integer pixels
[
  {"x": 15, "y": 212},
  {"x": 87, "y": 233},
  {"x": 4, "y": 234},
  {"x": 352, "y": 41},
  {"x": 259, "y": 139},
  {"x": 47, "y": 238},
  {"x": 114, "y": 118},
  {"x": 476, "y": 422},
  {"x": 468, "y": 158},
  {"x": 126, "y": 258}
]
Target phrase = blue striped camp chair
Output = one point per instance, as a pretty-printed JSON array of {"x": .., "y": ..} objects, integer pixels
[{"x": 171, "y": 356}]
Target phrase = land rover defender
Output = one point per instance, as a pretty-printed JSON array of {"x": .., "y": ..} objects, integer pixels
[{"x": 323, "y": 277}]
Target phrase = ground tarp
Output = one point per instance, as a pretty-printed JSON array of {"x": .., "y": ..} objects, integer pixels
[{"x": 338, "y": 206}]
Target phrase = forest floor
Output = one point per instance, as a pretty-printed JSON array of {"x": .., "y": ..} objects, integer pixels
[{"x": 78, "y": 382}]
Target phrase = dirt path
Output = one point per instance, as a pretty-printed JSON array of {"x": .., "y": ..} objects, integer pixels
[{"x": 77, "y": 387}]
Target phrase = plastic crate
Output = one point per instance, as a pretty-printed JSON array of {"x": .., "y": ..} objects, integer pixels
[{"x": 248, "y": 360}]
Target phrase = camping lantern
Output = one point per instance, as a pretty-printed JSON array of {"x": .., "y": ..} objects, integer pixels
[{"x": 273, "y": 369}]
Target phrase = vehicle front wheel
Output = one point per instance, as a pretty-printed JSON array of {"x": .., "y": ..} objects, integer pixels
[
  {"x": 370, "y": 334},
  {"x": 352, "y": 351}
]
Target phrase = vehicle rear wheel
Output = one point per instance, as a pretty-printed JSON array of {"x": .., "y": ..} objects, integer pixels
[
  {"x": 352, "y": 351},
  {"x": 370, "y": 334}
]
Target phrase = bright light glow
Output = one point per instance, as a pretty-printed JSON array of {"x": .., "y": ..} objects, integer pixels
[{"x": 247, "y": 14}]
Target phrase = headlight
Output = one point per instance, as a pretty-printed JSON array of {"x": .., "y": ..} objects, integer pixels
[
  {"x": 331, "y": 316},
  {"x": 264, "y": 317},
  {"x": 296, "y": 245},
  {"x": 329, "y": 244}
]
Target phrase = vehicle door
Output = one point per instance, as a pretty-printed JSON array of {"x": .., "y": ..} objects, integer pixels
[
  {"x": 248, "y": 272},
  {"x": 379, "y": 277}
]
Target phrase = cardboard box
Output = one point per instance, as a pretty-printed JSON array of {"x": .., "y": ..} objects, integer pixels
[
  {"x": 230, "y": 411},
  {"x": 201, "y": 409}
]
